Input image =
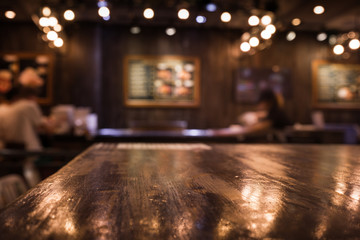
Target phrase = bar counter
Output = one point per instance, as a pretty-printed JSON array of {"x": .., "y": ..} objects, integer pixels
[{"x": 194, "y": 191}]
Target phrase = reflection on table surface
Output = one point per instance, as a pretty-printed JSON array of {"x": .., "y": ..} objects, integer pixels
[{"x": 194, "y": 191}]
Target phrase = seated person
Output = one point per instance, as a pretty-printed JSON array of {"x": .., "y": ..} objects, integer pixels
[
  {"x": 269, "y": 116},
  {"x": 21, "y": 117}
]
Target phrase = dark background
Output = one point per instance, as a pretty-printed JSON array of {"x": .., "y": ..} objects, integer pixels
[{"x": 89, "y": 70}]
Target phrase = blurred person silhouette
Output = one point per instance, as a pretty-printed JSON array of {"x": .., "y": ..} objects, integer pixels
[
  {"x": 268, "y": 117},
  {"x": 21, "y": 117},
  {"x": 21, "y": 120}
]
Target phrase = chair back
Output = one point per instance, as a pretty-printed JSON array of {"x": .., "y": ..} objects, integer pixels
[{"x": 11, "y": 186}]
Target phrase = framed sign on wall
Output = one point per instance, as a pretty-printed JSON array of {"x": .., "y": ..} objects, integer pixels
[
  {"x": 335, "y": 85},
  {"x": 161, "y": 81},
  {"x": 37, "y": 66}
]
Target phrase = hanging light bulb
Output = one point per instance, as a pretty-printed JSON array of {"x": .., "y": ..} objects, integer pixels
[
  {"x": 52, "y": 35},
  {"x": 104, "y": 12},
  {"x": 183, "y": 14},
  {"x": 265, "y": 34},
  {"x": 44, "y": 22},
  {"x": 253, "y": 20},
  {"x": 270, "y": 28},
  {"x": 321, "y": 36},
  {"x": 53, "y": 21},
  {"x": 290, "y": 36},
  {"x": 354, "y": 44},
  {"x": 69, "y": 15},
  {"x": 46, "y": 11},
  {"x": 148, "y": 13},
  {"x": 59, "y": 42},
  {"x": 225, "y": 17},
  {"x": 319, "y": 10},
  {"x": 170, "y": 31},
  {"x": 338, "y": 49},
  {"x": 245, "y": 47},
  {"x": 254, "y": 42},
  {"x": 211, "y": 7},
  {"x": 10, "y": 14},
  {"x": 57, "y": 28},
  {"x": 266, "y": 20},
  {"x": 200, "y": 19}
]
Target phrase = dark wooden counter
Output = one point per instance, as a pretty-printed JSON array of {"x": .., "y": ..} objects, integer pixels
[{"x": 194, "y": 191}]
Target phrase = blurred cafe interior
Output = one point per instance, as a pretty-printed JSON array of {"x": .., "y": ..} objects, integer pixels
[{"x": 172, "y": 81}]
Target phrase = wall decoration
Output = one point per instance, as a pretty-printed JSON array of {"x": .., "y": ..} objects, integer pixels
[
  {"x": 161, "y": 81},
  {"x": 38, "y": 68},
  {"x": 335, "y": 85},
  {"x": 249, "y": 82}
]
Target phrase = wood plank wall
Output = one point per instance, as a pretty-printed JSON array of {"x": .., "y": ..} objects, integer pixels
[{"x": 89, "y": 70}]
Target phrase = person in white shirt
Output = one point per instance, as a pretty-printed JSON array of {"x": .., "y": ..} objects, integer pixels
[{"x": 20, "y": 122}]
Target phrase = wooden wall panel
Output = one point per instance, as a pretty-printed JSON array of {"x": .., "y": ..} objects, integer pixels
[{"x": 89, "y": 72}]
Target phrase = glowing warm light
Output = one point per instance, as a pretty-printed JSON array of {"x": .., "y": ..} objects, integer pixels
[
  {"x": 343, "y": 93},
  {"x": 200, "y": 19},
  {"x": 319, "y": 10},
  {"x": 183, "y": 14},
  {"x": 265, "y": 34},
  {"x": 266, "y": 20},
  {"x": 254, "y": 42},
  {"x": 290, "y": 36},
  {"x": 354, "y": 44},
  {"x": 46, "y": 29},
  {"x": 53, "y": 21},
  {"x": 59, "y": 42},
  {"x": 46, "y": 11},
  {"x": 253, "y": 20},
  {"x": 57, "y": 28},
  {"x": 245, "y": 47},
  {"x": 225, "y": 17},
  {"x": 351, "y": 35},
  {"x": 211, "y": 7},
  {"x": 270, "y": 28},
  {"x": 10, "y": 14},
  {"x": 170, "y": 31},
  {"x": 296, "y": 22},
  {"x": 246, "y": 36},
  {"x": 135, "y": 30},
  {"x": 321, "y": 36},
  {"x": 52, "y": 35},
  {"x": 332, "y": 39},
  {"x": 44, "y": 21},
  {"x": 338, "y": 49},
  {"x": 148, "y": 13},
  {"x": 69, "y": 15},
  {"x": 104, "y": 12}
]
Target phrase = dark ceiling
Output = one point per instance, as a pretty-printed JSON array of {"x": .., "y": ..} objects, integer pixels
[{"x": 340, "y": 16}]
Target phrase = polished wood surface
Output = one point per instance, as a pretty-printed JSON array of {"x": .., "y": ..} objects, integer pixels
[{"x": 194, "y": 191}]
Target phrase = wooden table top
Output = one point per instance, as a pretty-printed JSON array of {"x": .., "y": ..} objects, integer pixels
[{"x": 194, "y": 191}]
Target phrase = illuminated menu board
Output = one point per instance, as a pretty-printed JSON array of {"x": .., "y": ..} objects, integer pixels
[
  {"x": 336, "y": 85},
  {"x": 161, "y": 81}
]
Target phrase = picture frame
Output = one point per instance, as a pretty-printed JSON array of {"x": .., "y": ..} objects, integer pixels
[
  {"x": 335, "y": 85},
  {"x": 250, "y": 82},
  {"x": 42, "y": 64},
  {"x": 161, "y": 81}
]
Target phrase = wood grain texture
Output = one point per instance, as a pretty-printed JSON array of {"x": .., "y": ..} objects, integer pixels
[
  {"x": 194, "y": 191},
  {"x": 88, "y": 72}
]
